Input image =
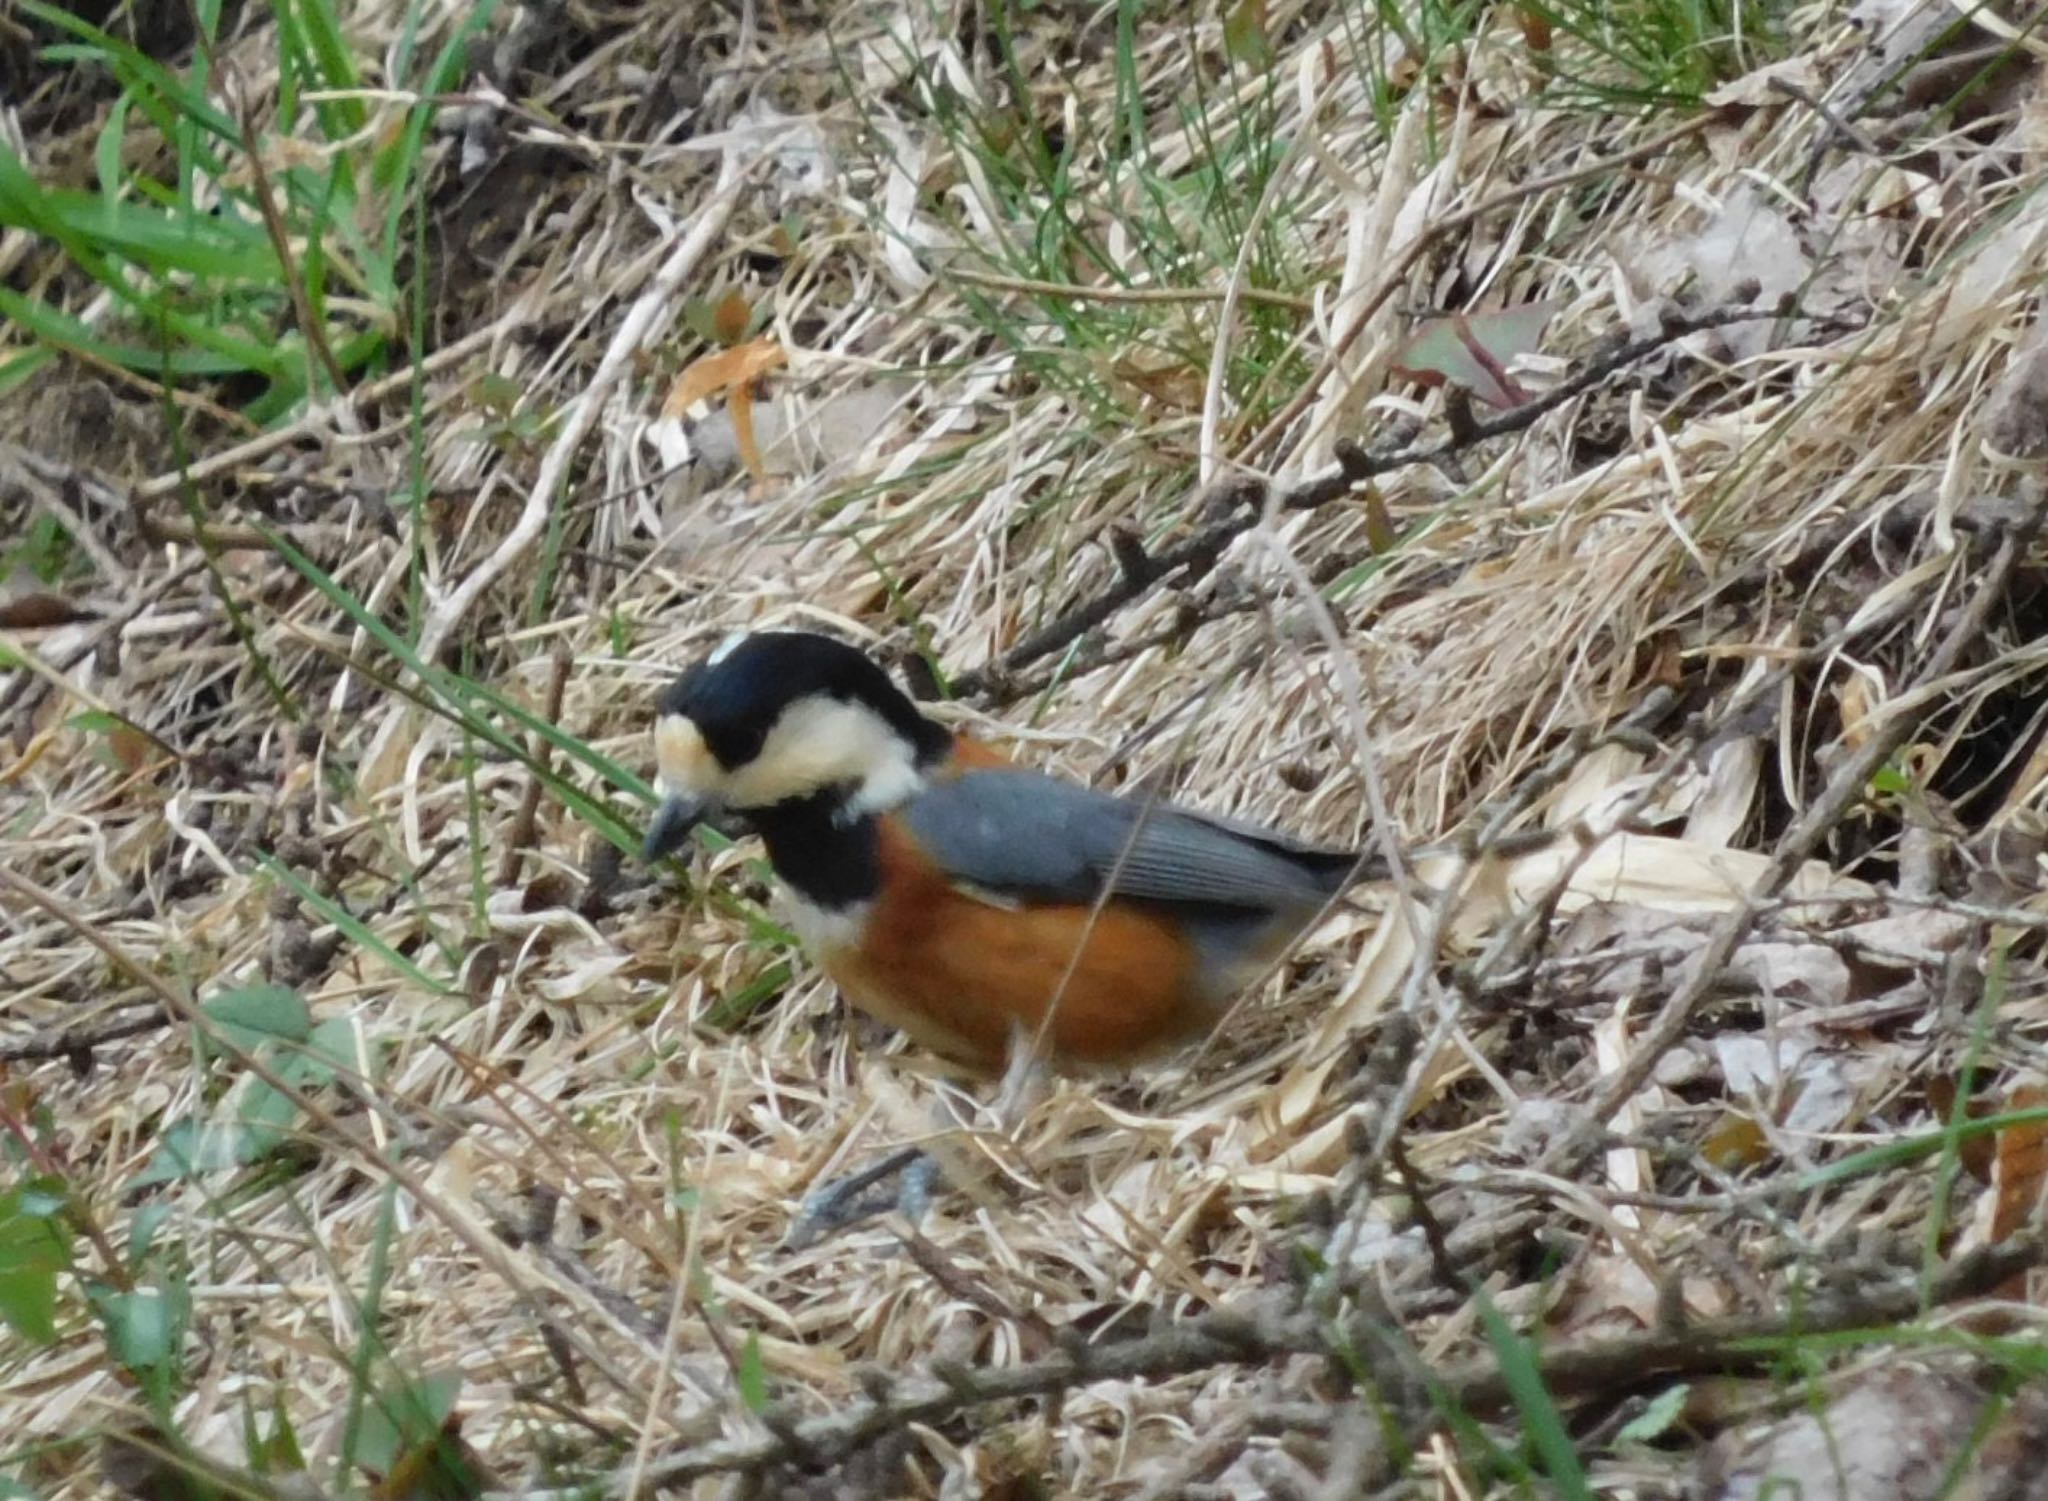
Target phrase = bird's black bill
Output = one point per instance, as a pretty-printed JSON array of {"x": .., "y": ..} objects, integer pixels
[{"x": 673, "y": 821}]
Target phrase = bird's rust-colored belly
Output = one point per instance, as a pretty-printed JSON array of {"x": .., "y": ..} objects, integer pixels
[{"x": 960, "y": 972}]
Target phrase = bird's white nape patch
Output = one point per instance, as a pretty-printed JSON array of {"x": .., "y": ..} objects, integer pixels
[
  {"x": 821, "y": 742},
  {"x": 726, "y": 647}
]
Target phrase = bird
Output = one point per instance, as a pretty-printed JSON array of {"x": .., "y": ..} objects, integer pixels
[{"x": 990, "y": 911}]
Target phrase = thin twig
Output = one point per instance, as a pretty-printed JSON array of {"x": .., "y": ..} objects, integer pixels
[
  {"x": 641, "y": 323},
  {"x": 1239, "y": 497},
  {"x": 1447, "y": 226},
  {"x": 520, "y": 833},
  {"x": 183, "y": 1008},
  {"x": 1265, "y": 1327},
  {"x": 319, "y": 419},
  {"x": 1849, "y": 783},
  {"x": 78, "y": 1044}
]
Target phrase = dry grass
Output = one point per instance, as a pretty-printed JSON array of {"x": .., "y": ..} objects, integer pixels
[{"x": 949, "y": 454}]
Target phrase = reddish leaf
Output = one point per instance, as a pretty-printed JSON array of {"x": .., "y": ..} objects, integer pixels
[
  {"x": 130, "y": 746},
  {"x": 730, "y": 318},
  {"x": 37, "y": 611},
  {"x": 550, "y": 889},
  {"x": 742, "y": 403},
  {"x": 2021, "y": 1167},
  {"x": 441, "y": 1468},
  {"x": 1473, "y": 350},
  {"x": 728, "y": 373},
  {"x": 1976, "y": 1151}
]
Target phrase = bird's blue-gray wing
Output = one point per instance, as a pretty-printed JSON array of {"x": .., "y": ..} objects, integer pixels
[{"x": 1035, "y": 838}]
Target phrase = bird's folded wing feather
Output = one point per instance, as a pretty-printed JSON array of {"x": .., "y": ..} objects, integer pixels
[{"x": 1014, "y": 832}]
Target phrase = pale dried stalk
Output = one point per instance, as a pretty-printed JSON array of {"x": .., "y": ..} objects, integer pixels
[
  {"x": 643, "y": 321},
  {"x": 635, "y": 329}
]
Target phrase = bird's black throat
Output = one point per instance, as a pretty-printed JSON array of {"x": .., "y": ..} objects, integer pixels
[{"x": 829, "y": 857}]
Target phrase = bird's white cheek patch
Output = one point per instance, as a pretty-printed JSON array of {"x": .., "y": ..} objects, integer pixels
[
  {"x": 681, "y": 758},
  {"x": 820, "y": 742}
]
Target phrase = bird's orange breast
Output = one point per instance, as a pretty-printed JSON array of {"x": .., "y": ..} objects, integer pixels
[
  {"x": 970, "y": 754},
  {"x": 960, "y": 971}
]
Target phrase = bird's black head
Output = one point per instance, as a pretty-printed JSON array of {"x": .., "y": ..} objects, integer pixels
[{"x": 778, "y": 715}]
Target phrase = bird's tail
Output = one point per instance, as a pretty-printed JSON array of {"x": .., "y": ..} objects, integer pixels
[{"x": 1345, "y": 871}]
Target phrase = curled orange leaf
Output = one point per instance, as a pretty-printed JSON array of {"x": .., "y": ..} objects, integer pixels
[{"x": 723, "y": 372}]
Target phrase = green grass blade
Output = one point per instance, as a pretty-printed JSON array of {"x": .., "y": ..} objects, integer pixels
[
  {"x": 397, "y": 164},
  {"x": 333, "y": 63},
  {"x": 227, "y": 249},
  {"x": 59, "y": 330},
  {"x": 135, "y": 67},
  {"x": 352, "y": 927},
  {"x": 1541, "y": 1420},
  {"x": 1911, "y": 1148},
  {"x": 459, "y": 696}
]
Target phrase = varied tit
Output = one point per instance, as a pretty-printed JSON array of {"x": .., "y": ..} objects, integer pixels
[
  {"x": 961, "y": 898},
  {"x": 972, "y": 903}
]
